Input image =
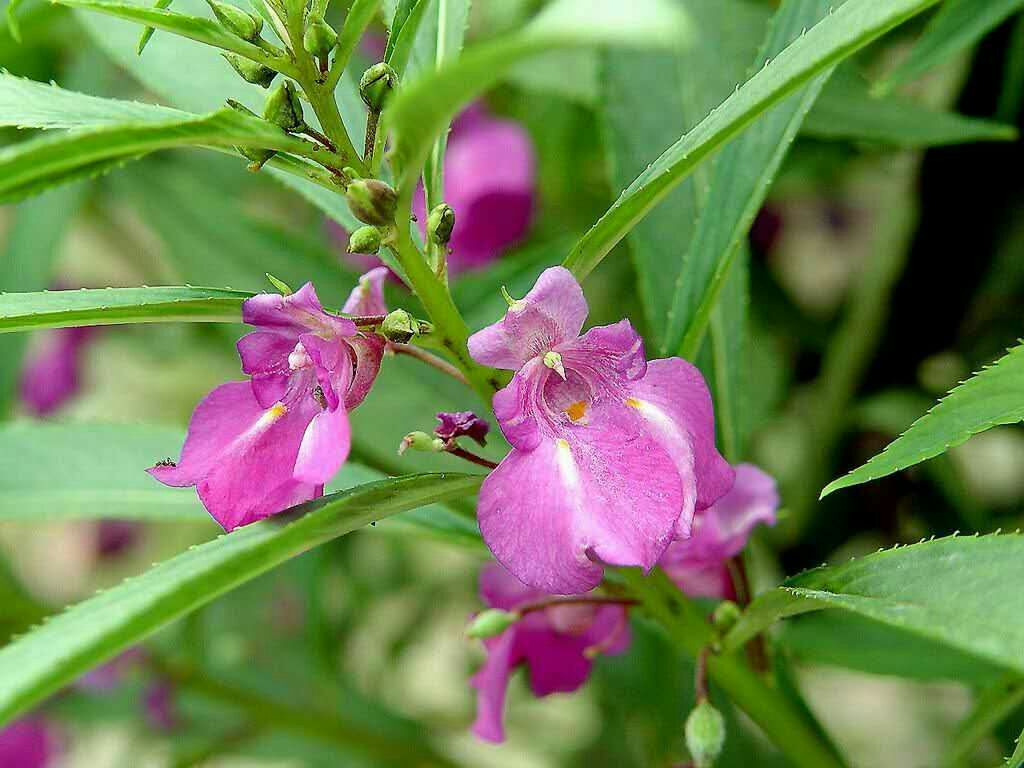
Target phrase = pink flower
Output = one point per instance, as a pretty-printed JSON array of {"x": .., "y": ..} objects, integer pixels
[
  {"x": 611, "y": 455},
  {"x": 256, "y": 448},
  {"x": 699, "y": 565},
  {"x": 159, "y": 706},
  {"x": 451, "y": 426},
  {"x": 367, "y": 298},
  {"x": 27, "y": 743},
  {"x": 557, "y": 645},
  {"x": 52, "y": 373}
]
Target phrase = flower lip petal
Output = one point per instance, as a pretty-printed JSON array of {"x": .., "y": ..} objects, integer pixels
[
  {"x": 367, "y": 298},
  {"x": 298, "y": 312}
]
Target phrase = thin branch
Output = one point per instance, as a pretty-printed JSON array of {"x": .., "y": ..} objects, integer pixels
[
  {"x": 430, "y": 359},
  {"x": 462, "y": 453}
]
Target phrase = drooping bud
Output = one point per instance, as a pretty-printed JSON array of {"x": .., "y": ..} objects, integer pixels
[
  {"x": 246, "y": 25},
  {"x": 462, "y": 424},
  {"x": 319, "y": 38},
  {"x": 440, "y": 224},
  {"x": 491, "y": 623},
  {"x": 399, "y": 327},
  {"x": 372, "y": 201},
  {"x": 725, "y": 616},
  {"x": 553, "y": 360},
  {"x": 250, "y": 71},
  {"x": 364, "y": 240},
  {"x": 376, "y": 85},
  {"x": 257, "y": 157},
  {"x": 705, "y": 734},
  {"x": 420, "y": 441},
  {"x": 284, "y": 108}
]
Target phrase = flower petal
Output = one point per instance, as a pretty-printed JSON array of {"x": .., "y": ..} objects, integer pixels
[
  {"x": 491, "y": 683},
  {"x": 515, "y": 406},
  {"x": 300, "y": 311},
  {"x": 556, "y": 661},
  {"x": 500, "y": 589},
  {"x": 367, "y": 298},
  {"x": 368, "y": 352},
  {"x": 324, "y": 448},
  {"x": 608, "y": 355}
]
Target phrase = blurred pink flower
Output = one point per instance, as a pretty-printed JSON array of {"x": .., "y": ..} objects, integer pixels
[
  {"x": 27, "y": 743},
  {"x": 51, "y": 374}
]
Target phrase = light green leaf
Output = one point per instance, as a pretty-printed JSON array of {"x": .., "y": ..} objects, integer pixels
[
  {"x": 992, "y": 397},
  {"x": 846, "y": 110},
  {"x": 729, "y": 365},
  {"x": 358, "y": 18},
  {"x": 958, "y": 25},
  {"x": 117, "y": 306},
  {"x": 1016, "y": 760},
  {"x": 419, "y": 112},
  {"x": 853, "y": 26},
  {"x": 404, "y": 32},
  {"x": 53, "y": 655},
  {"x": 959, "y": 591}
]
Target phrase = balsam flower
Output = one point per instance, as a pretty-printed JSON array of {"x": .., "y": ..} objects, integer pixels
[
  {"x": 611, "y": 455},
  {"x": 27, "y": 743},
  {"x": 557, "y": 645},
  {"x": 700, "y": 564},
  {"x": 52, "y": 373},
  {"x": 256, "y": 448}
]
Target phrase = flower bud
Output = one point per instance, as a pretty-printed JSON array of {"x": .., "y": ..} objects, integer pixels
[
  {"x": 246, "y": 25},
  {"x": 319, "y": 38},
  {"x": 399, "y": 327},
  {"x": 491, "y": 623},
  {"x": 257, "y": 157},
  {"x": 420, "y": 441},
  {"x": 250, "y": 71},
  {"x": 284, "y": 108},
  {"x": 725, "y": 616},
  {"x": 376, "y": 85},
  {"x": 705, "y": 734},
  {"x": 372, "y": 201},
  {"x": 440, "y": 224},
  {"x": 364, "y": 240}
]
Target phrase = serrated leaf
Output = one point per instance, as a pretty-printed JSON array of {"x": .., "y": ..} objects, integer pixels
[
  {"x": 994, "y": 396},
  {"x": 117, "y": 306},
  {"x": 51, "y": 656},
  {"x": 853, "y": 26},
  {"x": 419, "y": 112},
  {"x": 959, "y": 591},
  {"x": 958, "y": 25}
]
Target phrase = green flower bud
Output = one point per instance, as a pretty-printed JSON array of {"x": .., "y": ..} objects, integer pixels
[
  {"x": 440, "y": 224},
  {"x": 372, "y": 201},
  {"x": 257, "y": 157},
  {"x": 491, "y": 623},
  {"x": 725, "y": 616},
  {"x": 319, "y": 38},
  {"x": 376, "y": 85},
  {"x": 250, "y": 71},
  {"x": 399, "y": 327},
  {"x": 246, "y": 25},
  {"x": 364, "y": 240},
  {"x": 420, "y": 441},
  {"x": 705, "y": 734},
  {"x": 284, "y": 108}
]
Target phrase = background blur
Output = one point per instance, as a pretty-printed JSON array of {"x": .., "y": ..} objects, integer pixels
[{"x": 882, "y": 273}]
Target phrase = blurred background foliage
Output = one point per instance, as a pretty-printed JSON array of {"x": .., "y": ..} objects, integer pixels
[{"x": 886, "y": 265}]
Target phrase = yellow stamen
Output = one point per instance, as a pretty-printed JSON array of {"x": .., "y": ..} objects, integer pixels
[
  {"x": 577, "y": 410},
  {"x": 632, "y": 402},
  {"x": 277, "y": 410}
]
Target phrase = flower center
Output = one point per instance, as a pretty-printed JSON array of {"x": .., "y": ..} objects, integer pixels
[
  {"x": 577, "y": 411},
  {"x": 299, "y": 358}
]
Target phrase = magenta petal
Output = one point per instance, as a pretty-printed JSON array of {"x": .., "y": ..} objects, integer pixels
[
  {"x": 556, "y": 661},
  {"x": 368, "y": 352},
  {"x": 500, "y": 589},
  {"x": 300, "y": 311},
  {"x": 325, "y": 446},
  {"x": 51, "y": 374},
  {"x": 491, "y": 683},
  {"x": 613, "y": 354},
  {"x": 515, "y": 406},
  {"x": 675, "y": 401},
  {"x": 27, "y": 743},
  {"x": 367, "y": 298}
]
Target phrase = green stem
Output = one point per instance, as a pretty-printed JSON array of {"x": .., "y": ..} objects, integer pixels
[
  {"x": 689, "y": 630},
  {"x": 992, "y": 706}
]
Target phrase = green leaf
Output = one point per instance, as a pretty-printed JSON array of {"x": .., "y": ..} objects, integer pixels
[
  {"x": 991, "y": 707},
  {"x": 853, "y": 26},
  {"x": 420, "y": 111},
  {"x": 846, "y": 110},
  {"x": 959, "y": 591},
  {"x": 147, "y": 32},
  {"x": 117, "y": 306},
  {"x": 739, "y": 184},
  {"x": 403, "y": 35},
  {"x": 729, "y": 376},
  {"x": 958, "y": 25},
  {"x": 1016, "y": 760},
  {"x": 992, "y": 397},
  {"x": 53, "y": 655},
  {"x": 358, "y": 18},
  {"x": 403, "y": 9}
]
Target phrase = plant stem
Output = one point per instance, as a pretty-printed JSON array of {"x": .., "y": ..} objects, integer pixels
[
  {"x": 689, "y": 630},
  {"x": 430, "y": 359},
  {"x": 462, "y": 453}
]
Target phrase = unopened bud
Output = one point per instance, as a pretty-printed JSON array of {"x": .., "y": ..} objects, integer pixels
[
  {"x": 364, "y": 240},
  {"x": 372, "y": 201},
  {"x": 257, "y": 157},
  {"x": 491, "y": 623},
  {"x": 250, "y": 71},
  {"x": 376, "y": 85},
  {"x": 284, "y": 108},
  {"x": 246, "y": 25},
  {"x": 319, "y": 38},
  {"x": 725, "y": 616},
  {"x": 705, "y": 734},
  {"x": 440, "y": 224},
  {"x": 420, "y": 441},
  {"x": 399, "y": 327}
]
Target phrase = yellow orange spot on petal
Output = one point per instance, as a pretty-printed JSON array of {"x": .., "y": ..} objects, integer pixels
[
  {"x": 577, "y": 410},
  {"x": 277, "y": 410},
  {"x": 632, "y": 402},
  {"x": 562, "y": 443}
]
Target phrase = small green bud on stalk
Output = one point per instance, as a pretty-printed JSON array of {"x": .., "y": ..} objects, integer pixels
[
  {"x": 705, "y": 734},
  {"x": 725, "y": 616},
  {"x": 491, "y": 623},
  {"x": 421, "y": 441},
  {"x": 376, "y": 85},
  {"x": 319, "y": 38},
  {"x": 250, "y": 71},
  {"x": 284, "y": 108},
  {"x": 364, "y": 240},
  {"x": 238, "y": 22},
  {"x": 372, "y": 201},
  {"x": 257, "y": 157},
  {"x": 399, "y": 327},
  {"x": 440, "y": 224}
]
